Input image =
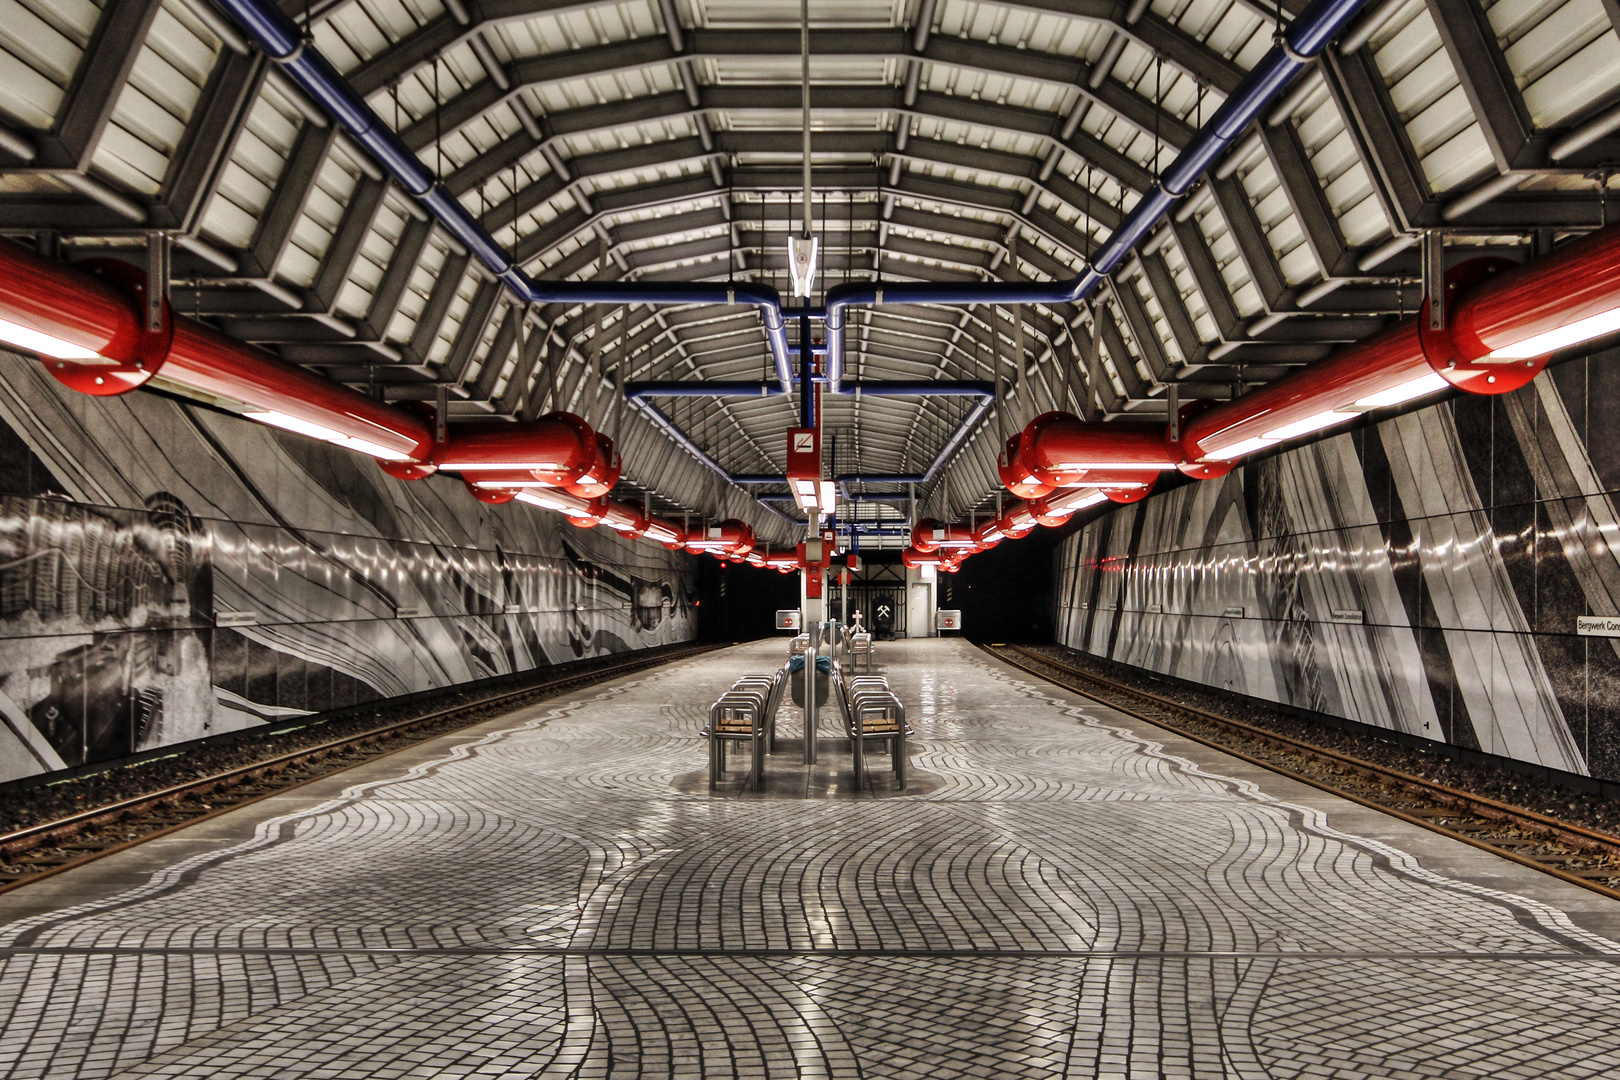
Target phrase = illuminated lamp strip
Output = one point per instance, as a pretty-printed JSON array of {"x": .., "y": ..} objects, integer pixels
[
  {"x": 1593, "y": 326},
  {"x": 491, "y": 466},
  {"x": 316, "y": 431},
  {"x": 26, "y": 337}
]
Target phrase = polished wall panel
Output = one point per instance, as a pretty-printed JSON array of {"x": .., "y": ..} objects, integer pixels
[
  {"x": 169, "y": 573},
  {"x": 1423, "y": 575}
]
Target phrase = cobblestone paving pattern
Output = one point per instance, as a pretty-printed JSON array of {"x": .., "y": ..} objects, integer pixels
[{"x": 545, "y": 901}]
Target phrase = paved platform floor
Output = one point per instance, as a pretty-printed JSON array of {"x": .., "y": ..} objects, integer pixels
[{"x": 1071, "y": 894}]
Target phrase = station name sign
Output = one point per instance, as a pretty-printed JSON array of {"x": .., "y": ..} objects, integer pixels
[{"x": 1597, "y": 625}]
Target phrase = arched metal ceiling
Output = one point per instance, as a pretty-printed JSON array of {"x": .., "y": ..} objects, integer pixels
[{"x": 658, "y": 140}]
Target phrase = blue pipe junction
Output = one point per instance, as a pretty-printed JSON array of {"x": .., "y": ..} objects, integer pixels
[
  {"x": 1295, "y": 48},
  {"x": 280, "y": 38},
  {"x": 870, "y": 388}
]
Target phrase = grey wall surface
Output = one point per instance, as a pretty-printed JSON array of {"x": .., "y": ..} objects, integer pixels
[
  {"x": 1424, "y": 574},
  {"x": 135, "y": 530}
]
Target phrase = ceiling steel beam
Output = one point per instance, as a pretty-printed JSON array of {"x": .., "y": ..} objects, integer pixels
[
  {"x": 98, "y": 79},
  {"x": 1488, "y": 82}
]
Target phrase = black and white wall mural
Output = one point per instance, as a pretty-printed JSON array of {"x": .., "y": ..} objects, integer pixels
[
  {"x": 1430, "y": 574},
  {"x": 168, "y": 573}
]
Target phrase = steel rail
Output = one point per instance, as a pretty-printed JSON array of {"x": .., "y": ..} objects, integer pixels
[
  {"x": 19, "y": 841},
  {"x": 1572, "y": 834}
]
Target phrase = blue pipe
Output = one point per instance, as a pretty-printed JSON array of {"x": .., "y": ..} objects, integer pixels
[
  {"x": 679, "y": 437},
  {"x": 281, "y": 39},
  {"x": 969, "y": 423},
  {"x": 636, "y": 391},
  {"x": 873, "y": 388},
  {"x": 1307, "y": 36},
  {"x": 807, "y": 367}
]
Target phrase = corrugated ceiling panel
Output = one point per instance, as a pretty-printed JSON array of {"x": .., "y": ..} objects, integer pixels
[
  {"x": 1429, "y": 99},
  {"x": 1229, "y": 261},
  {"x": 1565, "y": 57},
  {"x": 1161, "y": 325},
  {"x": 1282, "y": 228},
  {"x": 376, "y": 252},
  {"x": 1337, "y": 165},
  {"x": 44, "y": 39},
  {"x": 822, "y": 12},
  {"x": 249, "y": 178},
  {"x": 156, "y": 104},
  {"x": 354, "y": 33},
  {"x": 1181, "y": 274},
  {"x": 453, "y": 318},
  {"x": 323, "y": 212}
]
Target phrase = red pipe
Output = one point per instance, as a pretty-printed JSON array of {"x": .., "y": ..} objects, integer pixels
[
  {"x": 912, "y": 558},
  {"x": 559, "y": 449},
  {"x": 929, "y": 535},
  {"x": 204, "y": 359},
  {"x": 1517, "y": 305},
  {"x": 1502, "y": 327},
  {"x": 1061, "y": 450},
  {"x": 93, "y": 309},
  {"x": 729, "y": 537},
  {"x": 1015, "y": 477},
  {"x": 84, "y": 311}
]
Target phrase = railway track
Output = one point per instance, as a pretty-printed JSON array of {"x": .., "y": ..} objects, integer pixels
[
  {"x": 1566, "y": 850},
  {"x": 39, "y": 851}
]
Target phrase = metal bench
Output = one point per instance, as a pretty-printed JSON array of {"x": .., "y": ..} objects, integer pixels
[
  {"x": 861, "y": 650},
  {"x": 745, "y": 713},
  {"x": 774, "y": 686},
  {"x": 872, "y": 712}
]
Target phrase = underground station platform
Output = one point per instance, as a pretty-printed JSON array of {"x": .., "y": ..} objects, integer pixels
[
  {"x": 757, "y": 539},
  {"x": 1060, "y": 890}
]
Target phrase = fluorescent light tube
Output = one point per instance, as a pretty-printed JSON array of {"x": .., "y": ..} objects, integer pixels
[
  {"x": 661, "y": 533},
  {"x": 487, "y": 466},
  {"x": 295, "y": 425},
  {"x": 550, "y": 503},
  {"x": 1406, "y": 391},
  {"x": 1309, "y": 424},
  {"x": 1237, "y": 450},
  {"x": 26, "y": 337},
  {"x": 1604, "y": 322},
  {"x": 1122, "y": 466},
  {"x": 361, "y": 446}
]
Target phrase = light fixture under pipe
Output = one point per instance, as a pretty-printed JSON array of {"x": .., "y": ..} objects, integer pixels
[
  {"x": 316, "y": 431},
  {"x": 31, "y": 340}
]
